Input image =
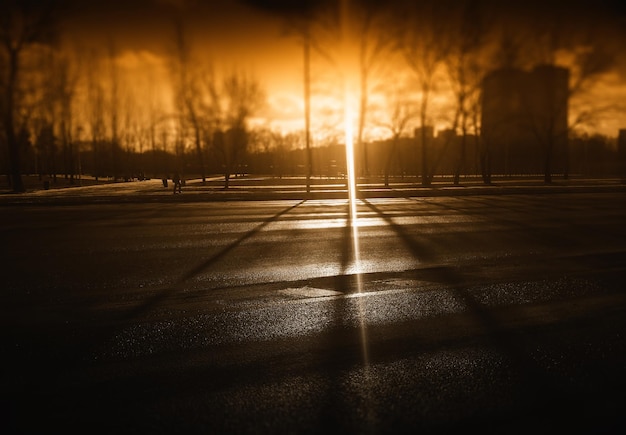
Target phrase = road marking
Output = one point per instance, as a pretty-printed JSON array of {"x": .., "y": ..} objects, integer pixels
[{"x": 310, "y": 292}]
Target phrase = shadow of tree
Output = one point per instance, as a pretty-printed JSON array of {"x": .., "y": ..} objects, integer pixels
[
  {"x": 203, "y": 266},
  {"x": 535, "y": 380}
]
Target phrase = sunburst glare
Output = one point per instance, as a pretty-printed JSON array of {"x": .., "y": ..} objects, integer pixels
[{"x": 349, "y": 66}]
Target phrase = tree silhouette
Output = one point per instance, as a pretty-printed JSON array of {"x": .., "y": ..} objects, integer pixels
[
  {"x": 188, "y": 94},
  {"x": 372, "y": 25},
  {"x": 66, "y": 89},
  {"x": 41, "y": 84},
  {"x": 114, "y": 107},
  {"x": 234, "y": 102},
  {"x": 23, "y": 23},
  {"x": 303, "y": 19},
  {"x": 400, "y": 112},
  {"x": 56, "y": 107},
  {"x": 465, "y": 71},
  {"x": 422, "y": 39},
  {"x": 95, "y": 112}
]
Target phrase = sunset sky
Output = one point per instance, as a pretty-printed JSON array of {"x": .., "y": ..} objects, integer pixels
[
  {"x": 229, "y": 35},
  {"x": 251, "y": 36}
]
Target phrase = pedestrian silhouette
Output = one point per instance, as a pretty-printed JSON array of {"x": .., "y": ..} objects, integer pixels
[{"x": 177, "y": 183}]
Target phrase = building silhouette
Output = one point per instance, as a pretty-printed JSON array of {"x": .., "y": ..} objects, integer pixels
[{"x": 524, "y": 121}]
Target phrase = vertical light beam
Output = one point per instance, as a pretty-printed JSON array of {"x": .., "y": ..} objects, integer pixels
[
  {"x": 349, "y": 66},
  {"x": 349, "y": 139}
]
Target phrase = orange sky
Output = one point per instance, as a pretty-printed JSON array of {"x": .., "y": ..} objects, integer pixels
[
  {"x": 236, "y": 36},
  {"x": 231, "y": 36}
]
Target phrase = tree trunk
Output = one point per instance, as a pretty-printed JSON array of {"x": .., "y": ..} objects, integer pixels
[
  {"x": 9, "y": 125},
  {"x": 307, "y": 108},
  {"x": 199, "y": 151},
  {"x": 392, "y": 152},
  {"x": 461, "y": 162},
  {"x": 14, "y": 159},
  {"x": 547, "y": 177},
  {"x": 426, "y": 179},
  {"x": 484, "y": 161}
]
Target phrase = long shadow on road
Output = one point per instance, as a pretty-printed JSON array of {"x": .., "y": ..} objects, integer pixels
[
  {"x": 73, "y": 345},
  {"x": 203, "y": 266},
  {"x": 345, "y": 346},
  {"x": 329, "y": 350},
  {"x": 540, "y": 391},
  {"x": 70, "y": 347}
]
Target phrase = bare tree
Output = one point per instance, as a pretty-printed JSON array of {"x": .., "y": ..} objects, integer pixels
[
  {"x": 95, "y": 111},
  {"x": 45, "y": 113},
  {"x": 59, "y": 94},
  {"x": 188, "y": 91},
  {"x": 400, "y": 112},
  {"x": 301, "y": 24},
  {"x": 234, "y": 102},
  {"x": 114, "y": 108},
  {"x": 465, "y": 71},
  {"x": 23, "y": 23},
  {"x": 318, "y": 25},
  {"x": 131, "y": 136},
  {"x": 422, "y": 39},
  {"x": 68, "y": 82},
  {"x": 371, "y": 24},
  {"x": 153, "y": 121},
  {"x": 307, "y": 21},
  {"x": 54, "y": 111}
]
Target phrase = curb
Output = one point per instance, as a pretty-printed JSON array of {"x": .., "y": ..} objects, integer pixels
[{"x": 67, "y": 197}]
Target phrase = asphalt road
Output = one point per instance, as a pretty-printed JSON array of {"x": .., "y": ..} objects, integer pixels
[{"x": 500, "y": 313}]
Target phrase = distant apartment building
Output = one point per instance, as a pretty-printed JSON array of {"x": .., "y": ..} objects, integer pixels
[{"x": 524, "y": 120}]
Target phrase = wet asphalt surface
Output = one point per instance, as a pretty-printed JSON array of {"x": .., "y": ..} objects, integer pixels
[{"x": 501, "y": 313}]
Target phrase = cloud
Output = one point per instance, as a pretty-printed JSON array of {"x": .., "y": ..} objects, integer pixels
[{"x": 285, "y": 107}]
